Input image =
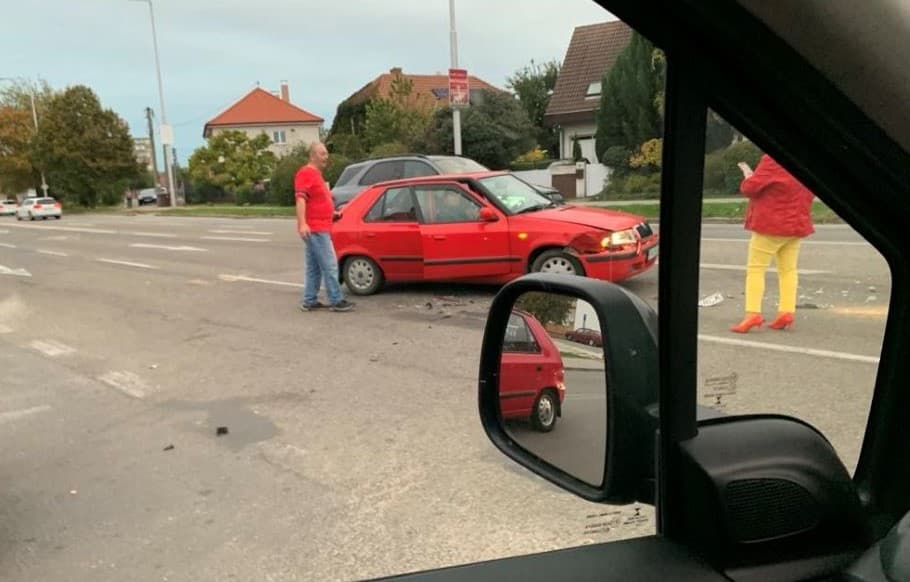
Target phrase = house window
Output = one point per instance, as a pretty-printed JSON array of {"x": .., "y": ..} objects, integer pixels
[
  {"x": 279, "y": 136},
  {"x": 593, "y": 90}
]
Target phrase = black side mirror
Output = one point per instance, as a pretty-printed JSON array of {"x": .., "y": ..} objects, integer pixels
[{"x": 605, "y": 400}]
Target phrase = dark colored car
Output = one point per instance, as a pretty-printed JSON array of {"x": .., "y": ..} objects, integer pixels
[
  {"x": 584, "y": 335},
  {"x": 358, "y": 176}
]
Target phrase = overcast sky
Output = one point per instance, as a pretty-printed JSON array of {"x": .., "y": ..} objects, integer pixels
[{"x": 214, "y": 51}]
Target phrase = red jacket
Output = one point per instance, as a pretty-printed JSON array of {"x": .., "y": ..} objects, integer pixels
[{"x": 779, "y": 205}]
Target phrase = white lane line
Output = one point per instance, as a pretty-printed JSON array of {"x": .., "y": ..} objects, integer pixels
[
  {"x": 52, "y": 348},
  {"x": 719, "y": 267},
  {"x": 249, "y": 232},
  {"x": 126, "y": 263},
  {"x": 805, "y": 242},
  {"x": 126, "y": 382},
  {"x": 8, "y": 246},
  {"x": 65, "y": 228},
  {"x": 167, "y": 247},
  {"x": 4, "y": 231},
  {"x": 12, "y": 415},
  {"x": 51, "y": 253},
  {"x": 152, "y": 234},
  {"x": 14, "y": 272},
  {"x": 236, "y": 239},
  {"x": 235, "y": 278},
  {"x": 789, "y": 349},
  {"x": 55, "y": 238}
]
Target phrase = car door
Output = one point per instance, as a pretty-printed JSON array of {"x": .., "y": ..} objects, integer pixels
[
  {"x": 457, "y": 244},
  {"x": 392, "y": 234},
  {"x": 521, "y": 370}
]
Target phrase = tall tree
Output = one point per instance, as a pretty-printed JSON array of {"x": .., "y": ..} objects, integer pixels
[
  {"x": 17, "y": 133},
  {"x": 233, "y": 163},
  {"x": 629, "y": 113},
  {"x": 494, "y": 131},
  {"x": 86, "y": 151},
  {"x": 402, "y": 117},
  {"x": 533, "y": 85}
]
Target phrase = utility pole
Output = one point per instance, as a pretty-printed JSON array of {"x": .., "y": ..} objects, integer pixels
[
  {"x": 148, "y": 114},
  {"x": 453, "y": 42}
]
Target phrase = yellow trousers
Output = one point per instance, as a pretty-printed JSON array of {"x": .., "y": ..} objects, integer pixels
[{"x": 785, "y": 252}]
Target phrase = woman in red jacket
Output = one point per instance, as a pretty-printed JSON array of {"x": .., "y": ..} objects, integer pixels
[{"x": 780, "y": 216}]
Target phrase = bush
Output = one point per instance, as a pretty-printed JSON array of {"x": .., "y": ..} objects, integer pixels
[
  {"x": 281, "y": 185},
  {"x": 633, "y": 186},
  {"x": 517, "y": 166},
  {"x": 744, "y": 151},
  {"x": 715, "y": 172},
  {"x": 617, "y": 159}
]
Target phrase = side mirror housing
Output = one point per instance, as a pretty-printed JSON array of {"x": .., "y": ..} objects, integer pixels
[
  {"x": 630, "y": 375},
  {"x": 487, "y": 215}
]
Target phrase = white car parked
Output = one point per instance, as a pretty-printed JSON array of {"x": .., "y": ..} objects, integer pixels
[
  {"x": 35, "y": 208},
  {"x": 8, "y": 207}
]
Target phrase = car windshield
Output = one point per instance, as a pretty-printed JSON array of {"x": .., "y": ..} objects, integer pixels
[
  {"x": 459, "y": 165},
  {"x": 515, "y": 195}
]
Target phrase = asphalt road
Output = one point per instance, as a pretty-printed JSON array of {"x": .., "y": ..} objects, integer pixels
[{"x": 353, "y": 447}]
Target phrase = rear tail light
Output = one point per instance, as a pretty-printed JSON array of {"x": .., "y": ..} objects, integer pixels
[
  {"x": 57, "y": 205},
  {"x": 37, "y": 207}
]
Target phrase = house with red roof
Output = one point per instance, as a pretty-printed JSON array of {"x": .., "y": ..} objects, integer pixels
[{"x": 262, "y": 112}]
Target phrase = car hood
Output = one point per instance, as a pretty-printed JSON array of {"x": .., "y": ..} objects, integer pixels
[{"x": 601, "y": 218}]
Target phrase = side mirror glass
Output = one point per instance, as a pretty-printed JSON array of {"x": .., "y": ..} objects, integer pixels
[
  {"x": 569, "y": 384},
  {"x": 552, "y": 394}
]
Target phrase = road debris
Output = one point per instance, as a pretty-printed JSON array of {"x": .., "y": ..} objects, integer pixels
[
  {"x": 221, "y": 431},
  {"x": 711, "y": 300},
  {"x": 169, "y": 448}
]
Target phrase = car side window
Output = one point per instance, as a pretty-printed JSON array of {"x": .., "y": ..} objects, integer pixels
[
  {"x": 382, "y": 172},
  {"x": 519, "y": 338},
  {"x": 415, "y": 169},
  {"x": 395, "y": 205},
  {"x": 446, "y": 204}
]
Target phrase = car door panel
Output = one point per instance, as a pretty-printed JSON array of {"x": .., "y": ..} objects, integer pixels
[{"x": 392, "y": 234}]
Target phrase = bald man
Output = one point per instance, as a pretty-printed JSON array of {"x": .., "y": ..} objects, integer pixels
[{"x": 315, "y": 211}]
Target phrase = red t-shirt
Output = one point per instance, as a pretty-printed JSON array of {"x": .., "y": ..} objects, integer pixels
[{"x": 309, "y": 185}]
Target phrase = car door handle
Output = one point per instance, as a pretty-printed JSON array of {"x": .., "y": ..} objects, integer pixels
[
  {"x": 540, "y": 368},
  {"x": 369, "y": 235},
  {"x": 439, "y": 237}
]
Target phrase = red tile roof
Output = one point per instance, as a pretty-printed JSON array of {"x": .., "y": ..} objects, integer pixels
[
  {"x": 592, "y": 51},
  {"x": 259, "y": 107},
  {"x": 424, "y": 86}
]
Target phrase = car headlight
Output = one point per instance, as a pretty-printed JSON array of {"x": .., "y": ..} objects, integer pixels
[{"x": 621, "y": 238}]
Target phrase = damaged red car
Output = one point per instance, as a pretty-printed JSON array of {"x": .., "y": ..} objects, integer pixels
[{"x": 488, "y": 227}]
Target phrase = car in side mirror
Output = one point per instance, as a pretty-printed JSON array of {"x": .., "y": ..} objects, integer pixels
[
  {"x": 487, "y": 215},
  {"x": 580, "y": 415}
]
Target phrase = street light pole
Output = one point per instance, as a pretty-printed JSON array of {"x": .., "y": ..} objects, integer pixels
[
  {"x": 456, "y": 112},
  {"x": 166, "y": 132}
]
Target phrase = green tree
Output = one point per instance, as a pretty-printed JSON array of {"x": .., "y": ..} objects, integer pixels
[
  {"x": 494, "y": 131},
  {"x": 719, "y": 133},
  {"x": 533, "y": 85},
  {"x": 630, "y": 103},
  {"x": 232, "y": 163},
  {"x": 17, "y": 134},
  {"x": 399, "y": 118},
  {"x": 546, "y": 307},
  {"x": 86, "y": 151}
]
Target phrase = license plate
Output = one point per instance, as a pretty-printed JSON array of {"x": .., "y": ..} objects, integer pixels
[{"x": 653, "y": 252}]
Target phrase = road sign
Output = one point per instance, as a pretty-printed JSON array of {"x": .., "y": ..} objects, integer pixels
[{"x": 459, "y": 92}]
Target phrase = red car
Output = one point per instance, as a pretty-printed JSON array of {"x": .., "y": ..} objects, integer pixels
[
  {"x": 583, "y": 335},
  {"x": 531, "y": 373},
  {"x": 488, "y": 227}
]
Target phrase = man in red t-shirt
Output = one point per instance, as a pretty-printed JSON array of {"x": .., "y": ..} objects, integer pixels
[{"x": 315, "y": 211}]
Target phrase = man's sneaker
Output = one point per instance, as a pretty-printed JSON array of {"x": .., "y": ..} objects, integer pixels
[
  {"x": 311, "y": 306},
  {"x": 343, "y": 305}
]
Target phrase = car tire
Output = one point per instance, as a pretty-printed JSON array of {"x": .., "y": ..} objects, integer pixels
[
  {"x": 554, "y": 261},
  {"x": 362, "y": 275},
  {"x": 18, "y": 217},
  {"x": 545, "y": 411},
  {"x": 31, "y": 216},
  {"x": 58, "y": 217}
]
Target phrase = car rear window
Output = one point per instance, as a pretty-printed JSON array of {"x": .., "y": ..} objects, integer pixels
[
  {"x": 45, "y": 201},
  {"x": 459, "y": 166},
  {"x": 347, "y": 175}
]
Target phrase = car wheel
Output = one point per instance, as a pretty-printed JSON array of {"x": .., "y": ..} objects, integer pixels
[
  {"x": 362, "y": 275},
  {"x": 18, "y": 217},
  {"x": 31, "y": 216},
  {"x": 58, "y": 217},
  {"x": 546, "y": 407},
  {"x": 557, "y": 262}
]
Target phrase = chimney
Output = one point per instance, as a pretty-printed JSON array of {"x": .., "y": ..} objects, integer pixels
[
  {"x": 395, "y": 71},
  {"x": 285, "y": 92}
]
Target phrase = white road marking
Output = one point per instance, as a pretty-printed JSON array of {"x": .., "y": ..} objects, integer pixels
[
  {"x": 789, "y": 349},
  {"x": 250, "y": 232},
  {"x": 12, "y": 415},
  {"x": 14, "y": 272},
  {"x": 718, "y": 267},
  {"x": 4, "y": 231},
  {"x": 51, "y": 253},
  {"x": 127, "y": 382},
  {"x": 235, "y": 278},
  {"x": 152, "y": 234},
  {"x": 805, "y": 242},
  {"x": 126, "y": 263},
  {"x": 8, "y": 246},
  {"x": 5, "y": 329},
  {"x": 167, "y": 248},
  {"x": 66, "y": 228},
  {"x": 55, "y": 238},
  {"x": 236, "y": 239},
  {"x": 52, "y": 348}
]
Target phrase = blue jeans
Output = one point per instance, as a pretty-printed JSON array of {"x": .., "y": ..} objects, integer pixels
[{"x": 321, "y": 265}]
